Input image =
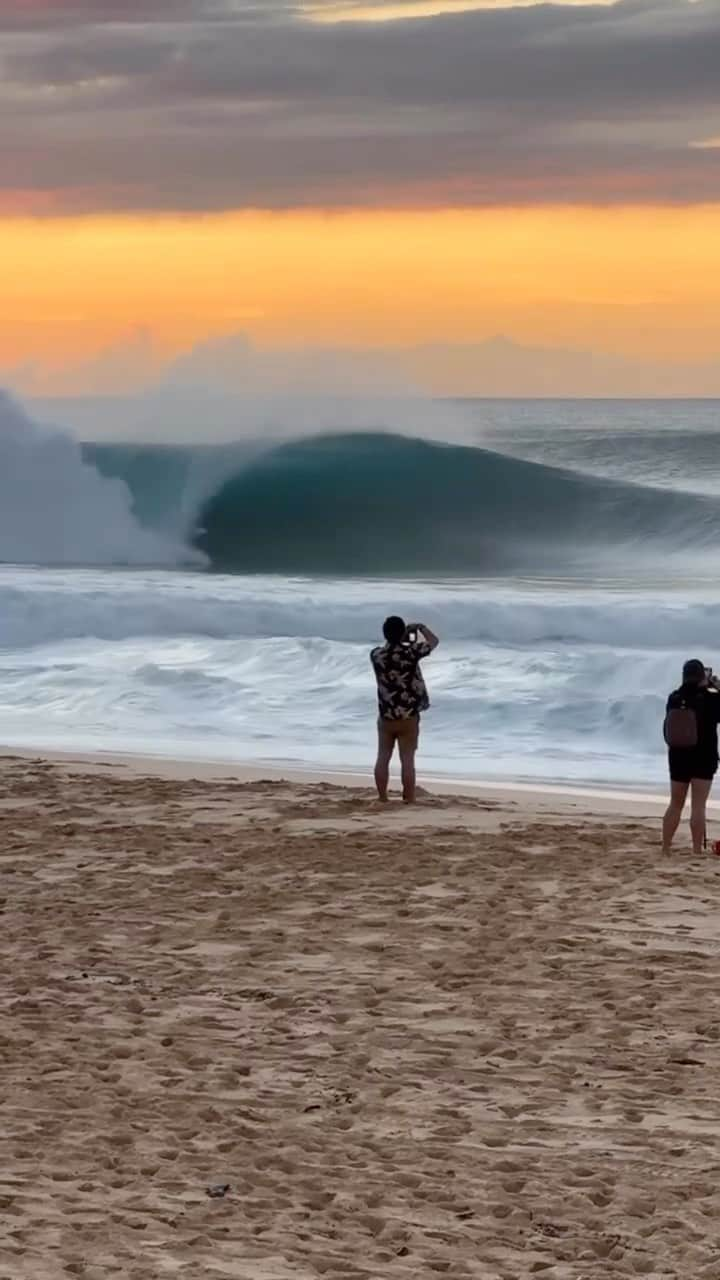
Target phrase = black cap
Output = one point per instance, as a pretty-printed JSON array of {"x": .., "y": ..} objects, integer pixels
[{"x": 693, "y": 671}]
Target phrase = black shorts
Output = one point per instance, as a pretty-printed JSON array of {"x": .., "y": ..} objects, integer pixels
[{"x": 687, "y": 763}]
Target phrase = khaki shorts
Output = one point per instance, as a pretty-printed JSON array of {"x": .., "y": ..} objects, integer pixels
[{"x": 405, "y": 732}]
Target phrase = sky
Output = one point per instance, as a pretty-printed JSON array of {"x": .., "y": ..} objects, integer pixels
[{"x": 365, "y": 176}]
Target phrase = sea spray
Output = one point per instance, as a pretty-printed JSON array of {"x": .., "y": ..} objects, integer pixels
[{"x": 55, "y": 508}]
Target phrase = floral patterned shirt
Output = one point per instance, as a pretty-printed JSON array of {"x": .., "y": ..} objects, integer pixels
[{"x": 401, "y": 688}]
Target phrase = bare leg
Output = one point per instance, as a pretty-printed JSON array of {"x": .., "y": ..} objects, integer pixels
[
  {"x": 407, "y": 765},
  {"x": 699, "y": 792},
  {"x": 673, "y": 813},
  {"x": 386, "y": 746}
]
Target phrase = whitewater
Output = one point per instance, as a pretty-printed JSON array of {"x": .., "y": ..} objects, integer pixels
[{"x": 218, "y": 603}]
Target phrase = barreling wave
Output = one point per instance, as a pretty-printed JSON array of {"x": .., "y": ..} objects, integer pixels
[
  {"x": 368, "y": 504},
  {"x": 377, "y": 504}
]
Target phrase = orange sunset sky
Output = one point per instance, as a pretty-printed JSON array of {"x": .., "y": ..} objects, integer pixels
[{"x": 364, "y": 176}]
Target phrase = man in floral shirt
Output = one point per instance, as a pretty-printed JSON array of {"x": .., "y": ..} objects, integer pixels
[{"x": 402, "y": 696}]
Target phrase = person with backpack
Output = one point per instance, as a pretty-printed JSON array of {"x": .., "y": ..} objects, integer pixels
[
  {"x": 402, "y": 696},
  {"x": 692, "y": 716}
]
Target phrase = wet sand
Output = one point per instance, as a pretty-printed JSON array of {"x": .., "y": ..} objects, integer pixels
[{"x": 474, "y": 1039}]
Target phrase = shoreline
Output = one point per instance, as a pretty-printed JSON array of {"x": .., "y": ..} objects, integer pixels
[{"x": 530, "y": 796}]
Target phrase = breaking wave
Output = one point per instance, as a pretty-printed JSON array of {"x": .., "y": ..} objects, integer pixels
[
  {"x": 110, "y": 607},
  {"x": 347, "y": 504},
  {"x": 56, "y": 508},
  {"x": 387, "y": 504}
]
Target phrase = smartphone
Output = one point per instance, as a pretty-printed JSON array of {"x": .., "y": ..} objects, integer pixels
[{"x": 708, "y": 673}]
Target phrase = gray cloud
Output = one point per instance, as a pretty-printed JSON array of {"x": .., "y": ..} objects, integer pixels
[
  {"x": 47, "y": 15},
  {"x": 210, "y": 104}
]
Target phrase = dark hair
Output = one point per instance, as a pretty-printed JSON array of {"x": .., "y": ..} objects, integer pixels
[
  {"x": 394, "y": 629},
  {"x": 693, "y": 671}
]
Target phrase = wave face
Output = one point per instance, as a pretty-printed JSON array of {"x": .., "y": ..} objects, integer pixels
[{"x": 387, "y": 504}]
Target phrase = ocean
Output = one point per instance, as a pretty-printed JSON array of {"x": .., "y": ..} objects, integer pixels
[{"x": 218, "y": 602}]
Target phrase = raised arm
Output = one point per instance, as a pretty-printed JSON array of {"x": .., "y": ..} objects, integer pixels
[{"x": 428, "y": 636}]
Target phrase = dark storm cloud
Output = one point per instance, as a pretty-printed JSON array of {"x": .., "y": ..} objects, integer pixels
[{"x": 208, "y": 104}]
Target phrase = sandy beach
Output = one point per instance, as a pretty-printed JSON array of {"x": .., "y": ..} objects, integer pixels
[{"x": 478, "y": 1038}]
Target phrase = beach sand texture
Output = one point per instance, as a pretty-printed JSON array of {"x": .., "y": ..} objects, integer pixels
[{"x": 470, "y": 1040}]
